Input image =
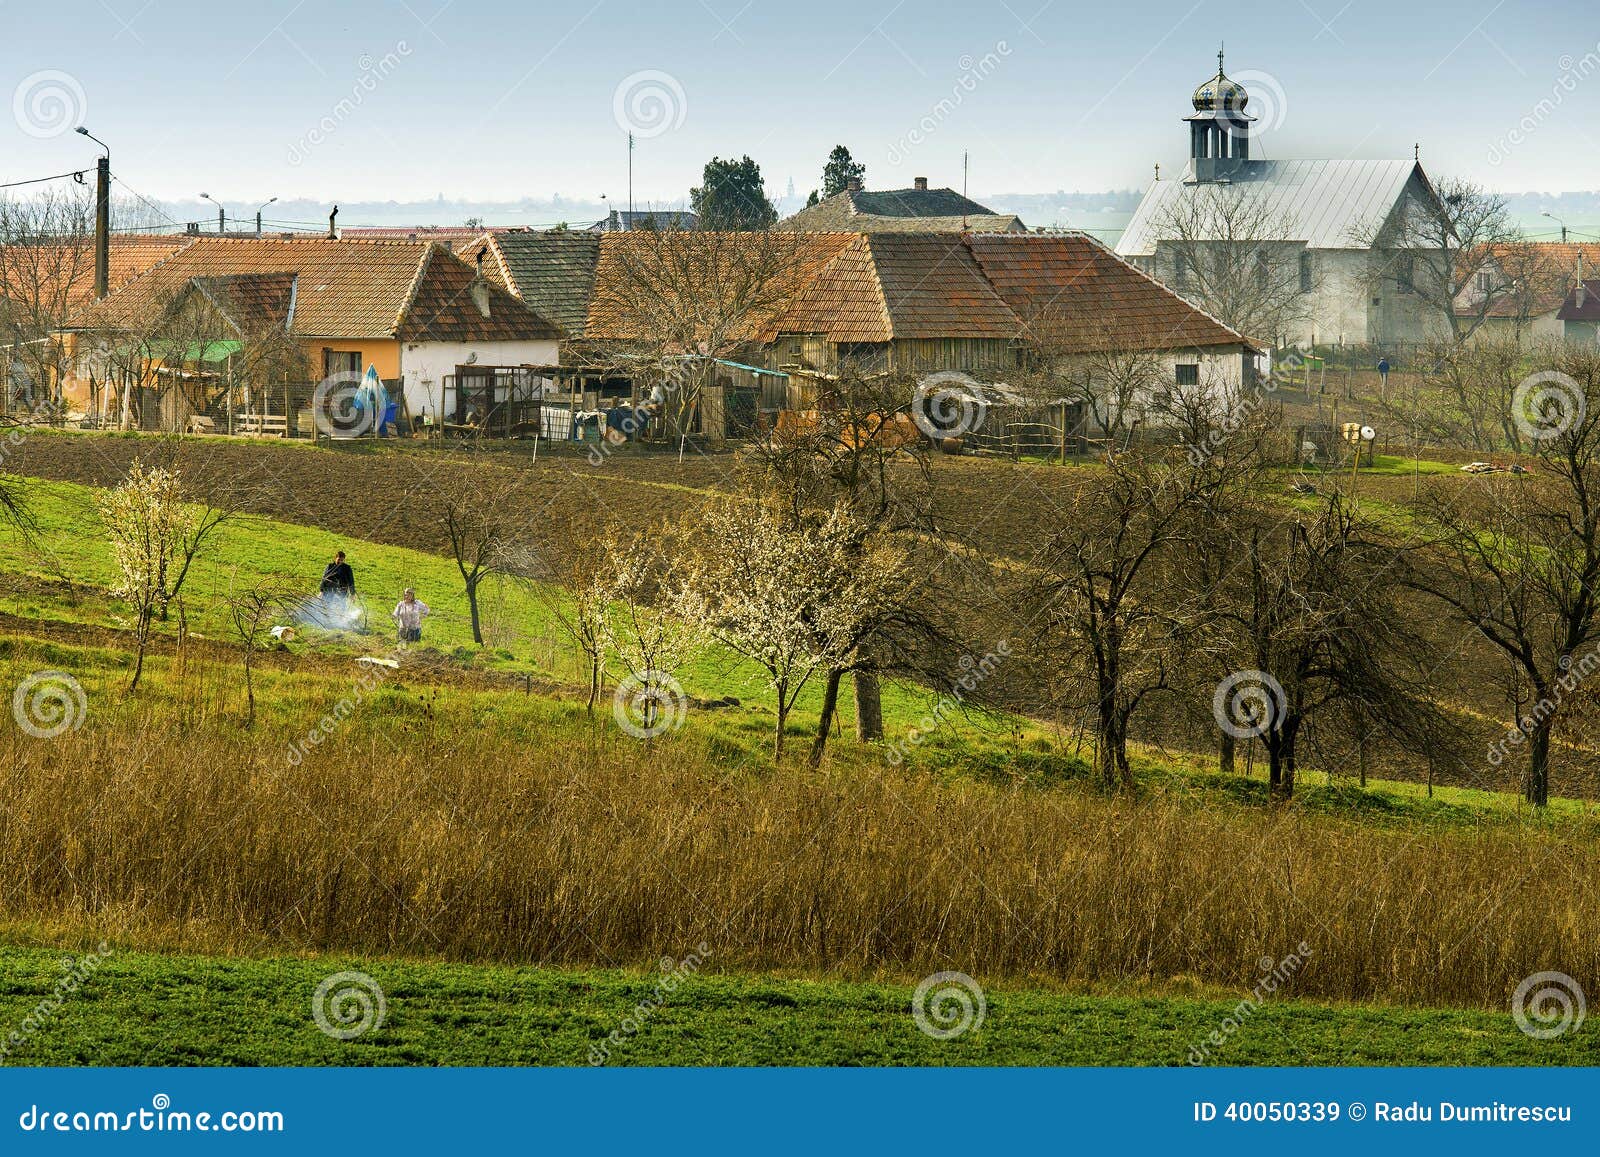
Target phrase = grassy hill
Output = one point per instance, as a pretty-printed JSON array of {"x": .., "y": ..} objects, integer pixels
[{"x": 501, "y": 860}]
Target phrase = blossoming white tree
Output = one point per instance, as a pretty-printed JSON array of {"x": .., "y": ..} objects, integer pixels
[
  {"x": 790, "y": 594},
  {"x": 148, "y": 525}
]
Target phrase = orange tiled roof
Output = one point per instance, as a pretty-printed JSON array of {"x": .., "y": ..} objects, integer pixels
[
  {"x": 1070, "y": 288},
  {"x": 344, "y": 288},
  {"x": 622, "y": 255},
  {"x": 1083, "y": 297},
  {"x": 39, "y": 268}
]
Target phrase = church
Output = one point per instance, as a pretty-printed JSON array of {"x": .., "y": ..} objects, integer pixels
[{"x": 1294, "y": 253}]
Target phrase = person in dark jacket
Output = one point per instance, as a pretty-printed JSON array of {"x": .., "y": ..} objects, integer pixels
[{"x": 338, "y": 579}]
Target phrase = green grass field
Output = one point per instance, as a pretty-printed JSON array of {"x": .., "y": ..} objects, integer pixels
[{"x": 142, "y": 1009}]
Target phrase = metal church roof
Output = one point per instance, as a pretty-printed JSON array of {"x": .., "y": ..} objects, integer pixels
[{"x": 1325, "y": 204}]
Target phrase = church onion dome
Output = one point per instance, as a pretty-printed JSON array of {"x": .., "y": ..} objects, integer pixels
[{"x": 1219, "y": 94}]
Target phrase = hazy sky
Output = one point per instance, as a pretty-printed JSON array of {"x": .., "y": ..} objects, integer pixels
[{"x": 374, "y": 99}]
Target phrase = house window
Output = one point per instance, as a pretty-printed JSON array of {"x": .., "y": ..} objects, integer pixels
[
  {"x": 1405, "y": 272},
  {"x": 1263, "y": 271},
  {"x": 1483, "y": 283},
  {"x": 1180, "y": 271},
  {"x": 1188, "y": 374},
  {"x": 340, "y": 361},
  {"x": 1305, "y": 272}
]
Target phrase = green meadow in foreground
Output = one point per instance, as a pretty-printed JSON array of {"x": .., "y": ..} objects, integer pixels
[{"x": 143, "y": 1009}]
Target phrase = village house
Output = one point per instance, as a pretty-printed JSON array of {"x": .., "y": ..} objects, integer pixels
[
  {"x": 1531, "y": 291},
  {"x": 1323, "y": 229},
  {"x": 43, "y": 284},
  {"x": 993, "y": 307},
  {"x": 184, "y": 339},
  {"x": 1002, "y": 307},
  {"x": 918, "y": 209}
]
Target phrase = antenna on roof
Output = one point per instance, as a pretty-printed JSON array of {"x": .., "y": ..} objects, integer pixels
[
  {"x": 1158, "y": 170},
  {"x": 1416, "y": 151}
]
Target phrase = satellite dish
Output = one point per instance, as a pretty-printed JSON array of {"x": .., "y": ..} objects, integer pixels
[{"x": 1368, "y": 433}]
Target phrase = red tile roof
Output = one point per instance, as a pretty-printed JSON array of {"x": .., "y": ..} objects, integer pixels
[
  {"x": 345, "y": 289},
  {"x": 1079, "y": 295},
  {"x": 1067, "y": 288}
]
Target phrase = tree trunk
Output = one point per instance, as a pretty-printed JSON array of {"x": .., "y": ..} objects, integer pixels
[
  {"x": 1225, "y": 750},
  {"x": 141, "y": 639},
  {"x": 869, "y": 707},
  {"x": 777, "y": 734},
  {"x": 1536, "y": 784},
  {"x": 830, "y": 704},
  {"x": 594, "y": 683},
  {"x": 249, "y": 694},
  {"x": 472, "y": 610},
  {"x": 1112, "y": 754}
]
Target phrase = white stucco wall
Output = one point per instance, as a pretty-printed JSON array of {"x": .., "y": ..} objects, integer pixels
[{"x": 426, "y": 365}]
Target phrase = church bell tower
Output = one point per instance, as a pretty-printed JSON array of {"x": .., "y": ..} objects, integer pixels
[{"x": 1219, "y": 129}]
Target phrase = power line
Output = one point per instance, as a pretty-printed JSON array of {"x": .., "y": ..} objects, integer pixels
[{"x": 78, "y": 174}]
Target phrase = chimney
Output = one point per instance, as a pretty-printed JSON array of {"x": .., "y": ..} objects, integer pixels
[
  {"x": 481, "y": 251},
  {"x": 333, "y": 230},
  {"x": 853, "y": 185},
  {"x": 920, "y": 183}
]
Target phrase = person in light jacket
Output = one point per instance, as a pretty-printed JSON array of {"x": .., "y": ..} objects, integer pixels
[{"x": 408, "y": 614}]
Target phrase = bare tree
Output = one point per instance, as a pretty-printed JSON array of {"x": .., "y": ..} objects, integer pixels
[
  {"x": 1427, "y": 248},
  {"x": 1521, "y": 564},
  {"x": 251, "y": 611},
  {"x": 46, "y": 264},
  {"x": 670, "y": 302},
  {"x": 1312, "y": 620},
  {"x": 485, "y": 514},
  {"x": 1224, "y": 247}
]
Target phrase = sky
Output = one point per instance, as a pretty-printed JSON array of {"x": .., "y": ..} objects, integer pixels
[{"x": 488, "y": 99}]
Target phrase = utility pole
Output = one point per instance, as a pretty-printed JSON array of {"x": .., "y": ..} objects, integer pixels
[
  {"x": 102, "y": 216},
  {"x": 630, "y": 180},
  {"x": 102, "y": 226}
]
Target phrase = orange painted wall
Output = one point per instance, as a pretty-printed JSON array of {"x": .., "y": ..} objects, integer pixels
[{"x": 383, "y": 354}]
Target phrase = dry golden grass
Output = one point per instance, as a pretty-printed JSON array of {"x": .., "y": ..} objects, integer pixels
[{"x": 524, "y": 832}]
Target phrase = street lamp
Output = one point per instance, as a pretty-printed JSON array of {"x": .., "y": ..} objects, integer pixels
[
  {"x": 222, "y": 217},
  {"x": 1544, "y": 213},
  {"x": 264, "y": 204},
  {"x": 102, "y": 217}
]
